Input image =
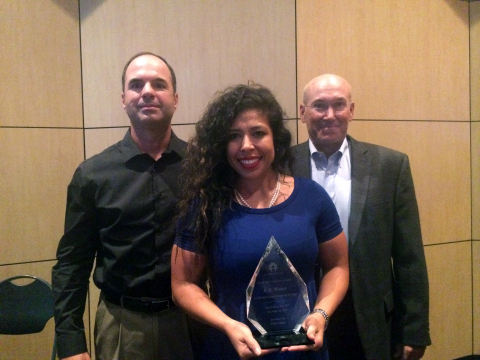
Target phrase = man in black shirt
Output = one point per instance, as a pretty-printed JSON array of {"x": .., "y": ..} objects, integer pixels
[{"x": 120, "y": 209}]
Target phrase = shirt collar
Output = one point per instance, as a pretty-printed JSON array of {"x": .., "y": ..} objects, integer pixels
[
  {"x": 131, "y": 149},
  {"x": 341, "y": 151}
]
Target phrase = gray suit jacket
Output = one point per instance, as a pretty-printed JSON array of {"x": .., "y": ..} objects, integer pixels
[{"x": 388, "y": 274}]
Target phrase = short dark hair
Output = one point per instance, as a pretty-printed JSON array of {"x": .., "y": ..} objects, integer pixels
[{"x": 172, "y": 73}]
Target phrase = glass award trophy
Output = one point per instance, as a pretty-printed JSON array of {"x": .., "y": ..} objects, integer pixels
[{"x": 277, "y": 300}]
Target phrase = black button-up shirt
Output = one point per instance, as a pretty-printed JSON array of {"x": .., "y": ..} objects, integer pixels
[{"x": 120, "y": 208}]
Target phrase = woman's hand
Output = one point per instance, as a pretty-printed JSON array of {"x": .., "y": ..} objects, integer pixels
[
  {"x": 187, "y": 270},
  {"x": 243, "y": 341},
  {"x": 314, "y": 326}
]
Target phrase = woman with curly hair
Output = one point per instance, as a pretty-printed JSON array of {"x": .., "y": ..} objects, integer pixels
[{"x": 237, "y": 196}]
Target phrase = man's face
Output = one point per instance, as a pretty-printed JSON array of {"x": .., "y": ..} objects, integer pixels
[
  {"x": 326, "y": 111},
  {"x": 148, "y": 97}
]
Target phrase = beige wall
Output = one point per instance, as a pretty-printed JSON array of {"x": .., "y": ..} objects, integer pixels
[
  {"x": 41, "y": 142},
  {"x": 411, "y": 64},
  {"x": 475, "y": 165}
]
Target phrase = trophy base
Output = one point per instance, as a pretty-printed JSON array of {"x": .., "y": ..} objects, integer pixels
[{"x": 282, "y": 339}]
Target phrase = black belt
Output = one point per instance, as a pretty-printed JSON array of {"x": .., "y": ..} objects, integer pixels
[{"x": 144, "y": 304}]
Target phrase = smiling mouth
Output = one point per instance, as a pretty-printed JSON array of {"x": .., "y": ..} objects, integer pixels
[{"x": 249, "y": 163}]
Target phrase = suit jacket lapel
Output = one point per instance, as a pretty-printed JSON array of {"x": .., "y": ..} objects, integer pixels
[
  {"x": 360, "y": 179},
  {"x": 302, "y": 161}
]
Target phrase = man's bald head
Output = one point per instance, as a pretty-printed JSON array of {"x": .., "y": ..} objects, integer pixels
[{"x": 326, "y": 81}]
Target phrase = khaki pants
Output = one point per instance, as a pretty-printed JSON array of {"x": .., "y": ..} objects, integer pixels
[{"x": 121, "y": 334}]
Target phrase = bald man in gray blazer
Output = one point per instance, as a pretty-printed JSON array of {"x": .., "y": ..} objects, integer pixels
[{"x": 385, "y": 312}]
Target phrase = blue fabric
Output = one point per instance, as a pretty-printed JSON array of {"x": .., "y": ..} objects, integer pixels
[{"x": 307, "y": 218}]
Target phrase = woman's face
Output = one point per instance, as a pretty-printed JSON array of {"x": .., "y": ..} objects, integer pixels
[{"x": 250, "y": 149}]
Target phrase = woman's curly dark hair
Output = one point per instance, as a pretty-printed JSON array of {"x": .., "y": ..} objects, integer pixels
[{"x": 209, "y": 179}]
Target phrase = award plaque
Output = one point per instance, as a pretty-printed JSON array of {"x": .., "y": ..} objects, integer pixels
[{"x": 277, "y": 300}]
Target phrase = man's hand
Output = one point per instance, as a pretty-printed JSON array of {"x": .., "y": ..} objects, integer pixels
[
  {"x": 406, "y": 352},
  {"x": 83, "y": 356}
]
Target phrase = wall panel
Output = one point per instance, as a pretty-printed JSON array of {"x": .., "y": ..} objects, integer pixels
[
  {"x": 450, "y": 300},
  {"x": 97, "y": 140},
  {"x": 210, "y": 44},
  {"x": 41, "y": 97},
  {"x": 476, "y": 296},
  {"x": 475, "y": 150},
  {"x": 37, "y": 165},
  {"x": 40, "y": 57},
  {"x": 475, "y": 60},
  {"x": 184, "y": 131},
  {"x": 403, "y": 58}
]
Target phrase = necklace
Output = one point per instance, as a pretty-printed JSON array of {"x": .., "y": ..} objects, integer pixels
[{"x": 242, "y": 201}]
